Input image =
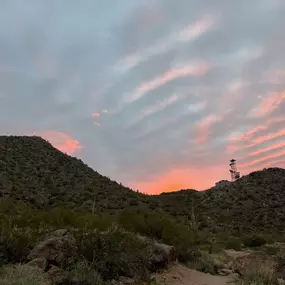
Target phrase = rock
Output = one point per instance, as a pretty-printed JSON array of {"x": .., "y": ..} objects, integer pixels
[
  {"x": 39, "y": 262},
  {"x": 225, "y": 272},
  {"x": 280, "y": 281},
  {"x": 57, "y": 248},
  {"x": 254, "y": 260},
  {"x": 234, "y": 276},
  {"x": 126, "y": 280},
  {"x": 160, "y": 255},
  {"x": 56, "y": 275}
]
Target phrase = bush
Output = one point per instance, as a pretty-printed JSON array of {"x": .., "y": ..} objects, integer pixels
[
  {"x": 15, "y": 245},
  {"x": 82, "y": 273},
  {"x": 254, "y": 241},
  {"x": 115, "y": 253},
  {"x": 264, "y": 275},
  {"x": 208, "y": 263},
  {"x": 233, "y": 243},
  {"x": 162, "y": 228},
  {"x": 22, "y": 275}
]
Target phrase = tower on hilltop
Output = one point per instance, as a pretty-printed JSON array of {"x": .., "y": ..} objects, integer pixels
[{"x": 233, "y": 170}]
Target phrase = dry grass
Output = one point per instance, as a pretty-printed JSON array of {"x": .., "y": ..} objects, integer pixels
[
  {"x": 264, "y": 275},
  {"x": 22, "y": 275},
  {"x": 209, "y": 263}
]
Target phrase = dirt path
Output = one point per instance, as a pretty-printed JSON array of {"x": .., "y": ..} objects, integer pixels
[{"x": 181, "y": 275}]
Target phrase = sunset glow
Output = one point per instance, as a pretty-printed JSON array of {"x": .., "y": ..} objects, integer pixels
[{"x": 157, "y": 95}]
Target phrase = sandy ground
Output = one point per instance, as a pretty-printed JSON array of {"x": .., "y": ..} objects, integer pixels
[{"x": 178, "y": 274}]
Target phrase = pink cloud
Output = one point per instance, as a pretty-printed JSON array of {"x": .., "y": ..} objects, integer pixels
[
  {"x": 262, "y": 159},
  {"x": 190, "y": 32},
  {"x": 247, "y": 140},
  {"x": 161, "y": 105},
  {"x": 95, "y": 115},
  {"x": 204, "y": 127},
  {"x": 268, "y": 104},
  {"x": 196, "y": 70},
  {"x": 61, "y": 141},
  {"x": 197, "y": 28},
  {"x": 268, "y": 149}
]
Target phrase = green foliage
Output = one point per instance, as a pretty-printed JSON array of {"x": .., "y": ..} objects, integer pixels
[
  {"x": 254, "y": 240},
  {"x": 35, "y": 172},
  {"x": 15, "y": 244},
  {"x": 82, "y": 273},
  {"x": 22, "y": 275},
  {"x": 160, "y": 227},
  {"x": 114, "y": 253},
  {"x": 208, "y": 263},
  {"x": 234, "y": 243}
]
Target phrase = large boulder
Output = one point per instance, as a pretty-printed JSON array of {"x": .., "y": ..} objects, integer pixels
[
  {"x": 254, "y": 260},
  {"x": 56, "y": 248},
  {"x": 160, "y": 255}
]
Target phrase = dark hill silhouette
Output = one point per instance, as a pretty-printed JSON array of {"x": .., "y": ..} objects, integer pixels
[
  {"x": 33, "y": 171},
  {"x": 254, "y": 202}
]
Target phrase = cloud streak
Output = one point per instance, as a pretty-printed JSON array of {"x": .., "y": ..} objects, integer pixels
[{"x": 158, "y": 95}]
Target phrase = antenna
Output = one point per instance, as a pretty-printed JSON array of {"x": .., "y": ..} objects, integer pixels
[{"x": 233, "y": 170}]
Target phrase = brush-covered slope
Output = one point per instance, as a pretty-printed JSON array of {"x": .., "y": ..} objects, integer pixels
[
  {"x": 32, "y": 170},
  {"x": 253, "y": 203}
]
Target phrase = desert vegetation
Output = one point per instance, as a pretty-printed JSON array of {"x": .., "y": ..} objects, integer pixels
[{"x": 117, "y": 234}]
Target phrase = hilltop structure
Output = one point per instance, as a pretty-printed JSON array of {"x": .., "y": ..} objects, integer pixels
[{"x": 233, "y": 170}]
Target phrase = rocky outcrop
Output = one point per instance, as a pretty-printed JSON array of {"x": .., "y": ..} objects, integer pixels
[
  {"x": 51, "y": 254},
  {"x": 160, "y": 255},
  {"x": 56, "y": 249}
]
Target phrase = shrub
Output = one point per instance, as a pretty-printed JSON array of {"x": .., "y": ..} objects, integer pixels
[
  {"x": 115, "y": 253},
  {"x": 22, "y": 275},
  {"x": 208, "y": 263},
  {"x": 254, "y": 241},
  {"x": 15, "y": 244},
  {"x": 162, "y": 228},
  {"x": 233, "y": 243},
  {"x": 82, "y": 273},
  {"x": 263, "y": 275}
]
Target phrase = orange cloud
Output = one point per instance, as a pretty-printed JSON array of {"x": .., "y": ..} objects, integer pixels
[
  {"x": 198, "y": 69},
  {"x": 182, "y": 178},
  {"x": 60, "y": 141}
]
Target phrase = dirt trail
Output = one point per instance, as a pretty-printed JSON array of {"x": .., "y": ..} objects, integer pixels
[{"x": 178, "y": 274}]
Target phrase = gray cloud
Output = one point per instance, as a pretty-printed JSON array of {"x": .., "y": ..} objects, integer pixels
[{"x": 184, "y": 83}]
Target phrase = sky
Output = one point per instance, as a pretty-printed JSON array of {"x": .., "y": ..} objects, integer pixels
[{"x": 158, "y": 95}]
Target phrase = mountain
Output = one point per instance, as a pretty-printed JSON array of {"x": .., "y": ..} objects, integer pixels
[
  {"x": 254, "y": 202},
  {"x": 33, "y": 171}
]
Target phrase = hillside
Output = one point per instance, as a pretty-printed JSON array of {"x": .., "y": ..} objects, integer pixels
[
  {"x": 47, "y": 200},
  {"x": 253, "y": 203},
  {"x": 32, "y": 170}
]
